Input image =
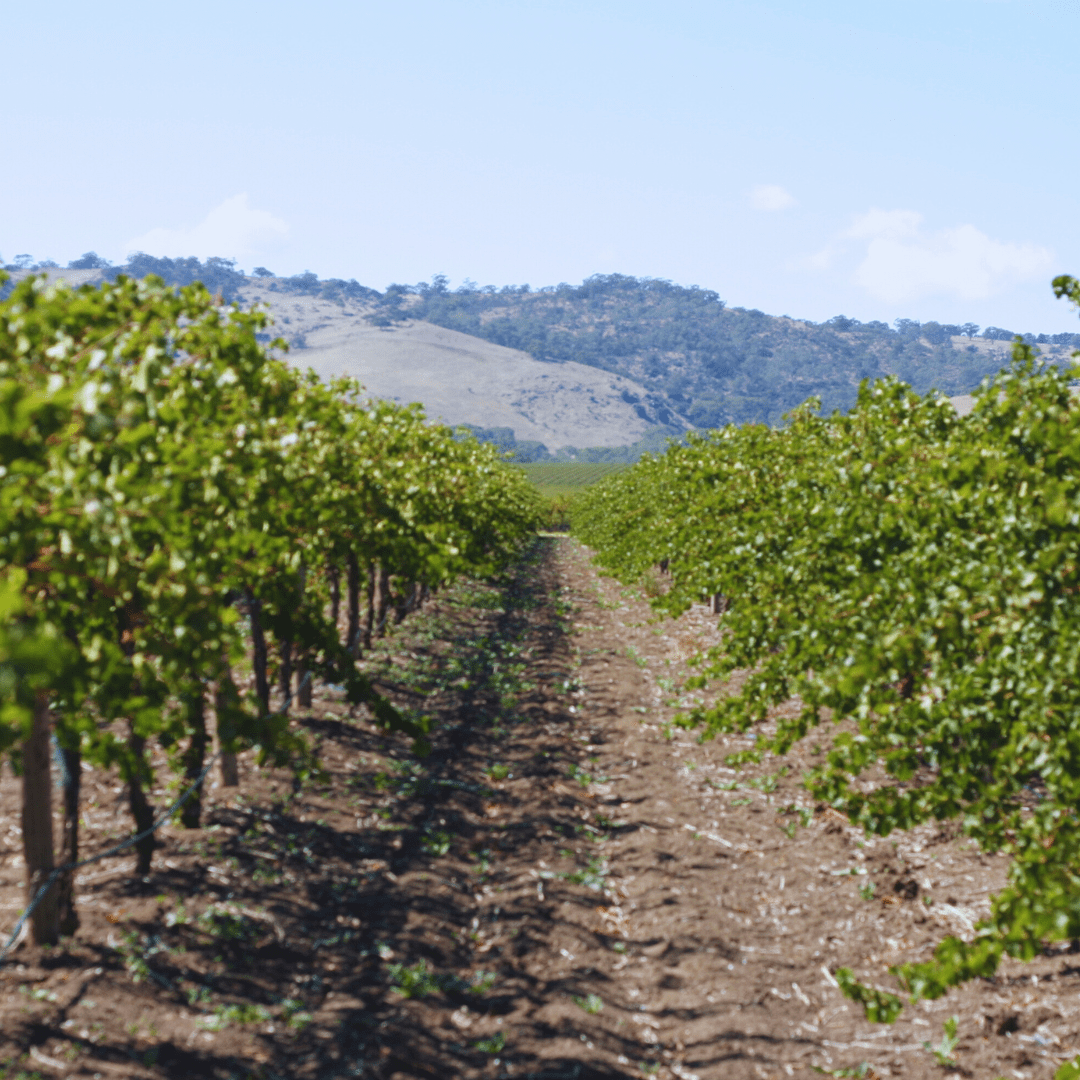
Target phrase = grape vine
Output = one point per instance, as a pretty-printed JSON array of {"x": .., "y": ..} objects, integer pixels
[
  {"x": 911, "y": 578},
  {"x": 175, "y": 499}
]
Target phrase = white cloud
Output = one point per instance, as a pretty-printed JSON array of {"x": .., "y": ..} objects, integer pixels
[
  {"x": 904, "y": 261},
  {"x": 820, "y": 260},
  {"x": 771, "y": 197},
  {"x": 892, "y": 224},
  {"x": 231, "y": 230}
]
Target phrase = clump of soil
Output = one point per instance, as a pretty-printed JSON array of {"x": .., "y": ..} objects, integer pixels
[{"x": 565, "y": 887}]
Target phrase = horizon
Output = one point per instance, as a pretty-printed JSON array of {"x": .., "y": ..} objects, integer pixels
[{"x": 469, "y": 285}]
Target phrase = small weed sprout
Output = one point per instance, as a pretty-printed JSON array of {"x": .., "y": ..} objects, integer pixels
[
  {"x": 591, "y": 1003},
  {"x": 178, "y": 916},
  {"x": 294, "y": 1014},
  {"x": 225, "y": 1015},
  {"x": 414, "y": 981},
  {"x": 493, "y": 1045},
  {"x": 575, "y": 772},
  {"x": 765, "y": 784},
  {"x": 134, "y": 956},
  {"x": 227, "y": 925},
  {"x": 436, "y": 843},
  {"x": 943, "y": 1051},
  {"x": 593, "y": 876},
  {"x": 482, "y": 982}
]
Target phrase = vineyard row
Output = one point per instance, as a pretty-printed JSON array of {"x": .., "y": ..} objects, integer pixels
[
  {"x": 179, "y": 506},
  {"x": 910, "y": 579}
]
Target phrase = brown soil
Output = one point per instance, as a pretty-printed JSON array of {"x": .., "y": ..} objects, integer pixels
[{"x": 563, "y": 882}]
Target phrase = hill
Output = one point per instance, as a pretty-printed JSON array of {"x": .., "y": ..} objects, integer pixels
[
  {"x": 708, "y": 362},
  {"x": 529, "y": 406},
  {"x": 463, "y": 379},
  {"x": 614, "y": 365}
]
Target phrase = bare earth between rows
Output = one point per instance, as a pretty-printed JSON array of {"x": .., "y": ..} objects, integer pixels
[{"x": 565, "y": 887}]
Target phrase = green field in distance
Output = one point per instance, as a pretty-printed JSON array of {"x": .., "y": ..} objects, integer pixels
[{"x": 569, "y": 477}]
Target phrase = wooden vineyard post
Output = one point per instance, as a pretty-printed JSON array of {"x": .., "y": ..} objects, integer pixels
[
  {"x": 258, "y": 650},
  {"x": 37, "y": 825},
  {"x": 303, "y": 679},
  {"x": 352, "y": 635},
  {"x": 285, "y": 652},
  {"x": 193, "y": 757},
  {"x": 141, "y": 810},
  {"x": 382, "y": 600},
  {"x": 224, "y": 692},
  {"x": 334, "y": 574},
  {"x": 369, "y": 621},
  {"x": 71, "y": 777},
  {"x": 303, "y": 683}
]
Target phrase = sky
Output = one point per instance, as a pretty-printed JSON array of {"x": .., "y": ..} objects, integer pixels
[{"x": 877, "y": 160}]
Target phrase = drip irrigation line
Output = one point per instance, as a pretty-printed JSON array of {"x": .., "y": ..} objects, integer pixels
[{"x": 122, "y": 846}]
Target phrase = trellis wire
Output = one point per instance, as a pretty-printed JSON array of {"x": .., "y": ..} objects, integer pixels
[{"x": 124, "y": 844}]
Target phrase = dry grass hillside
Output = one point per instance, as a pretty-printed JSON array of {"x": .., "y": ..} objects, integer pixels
[{"x": 458, "y": 378}]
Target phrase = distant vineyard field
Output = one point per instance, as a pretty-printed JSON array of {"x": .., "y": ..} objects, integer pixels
[{"x": 568, "y": 477}]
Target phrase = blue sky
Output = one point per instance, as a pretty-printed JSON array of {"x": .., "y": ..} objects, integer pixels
[{"x": 877, "y": 160}]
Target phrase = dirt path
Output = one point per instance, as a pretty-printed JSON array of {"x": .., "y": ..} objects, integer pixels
[{"x": 564, "y": 888}]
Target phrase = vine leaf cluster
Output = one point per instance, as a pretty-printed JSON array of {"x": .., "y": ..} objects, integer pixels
[{"x": 911, "y": 578}]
